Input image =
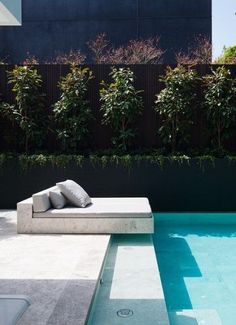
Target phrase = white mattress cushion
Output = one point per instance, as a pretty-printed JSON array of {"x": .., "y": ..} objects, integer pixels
[{"x": 104, "y": 208}]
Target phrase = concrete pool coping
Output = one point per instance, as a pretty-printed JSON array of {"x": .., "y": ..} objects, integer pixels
[{"x": 61, "y": 273}]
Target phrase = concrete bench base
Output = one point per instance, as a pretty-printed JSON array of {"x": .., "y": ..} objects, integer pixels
[{"x": 121, "y": 222}]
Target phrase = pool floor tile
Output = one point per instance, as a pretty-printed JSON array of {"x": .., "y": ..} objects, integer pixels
[{"x": 197, "y": 264}]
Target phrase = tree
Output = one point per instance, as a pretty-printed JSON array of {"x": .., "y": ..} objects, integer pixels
[
  {"x": 175, "y": 105},
  {"x": 228, "y": 56},
  {"x": 72, "y": 112},
  {"x": 220, "y": 104},
  {"x": 121, "y": 104}
]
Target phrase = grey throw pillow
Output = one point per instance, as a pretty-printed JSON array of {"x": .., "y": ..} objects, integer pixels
[
  {"x": 57, "y": 199},
  {"x": 74, "y": 193}
]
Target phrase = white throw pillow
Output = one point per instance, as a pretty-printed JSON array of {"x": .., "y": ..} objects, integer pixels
[
  {"x": 41, "y": 202},
  {"x": 74, "y": 193}
]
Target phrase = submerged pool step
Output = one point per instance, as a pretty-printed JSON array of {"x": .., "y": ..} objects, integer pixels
[
  {"x": 195, "y": 317},
  {"x": 130, "y": 291}
]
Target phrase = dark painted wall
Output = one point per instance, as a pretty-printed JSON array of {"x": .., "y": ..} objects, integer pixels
[
  {"x": 56, "y": 26},
  {"x": 176, "y": 187}
]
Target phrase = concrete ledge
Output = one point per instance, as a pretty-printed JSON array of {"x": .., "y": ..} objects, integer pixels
[{"x": 87, "y": 226}]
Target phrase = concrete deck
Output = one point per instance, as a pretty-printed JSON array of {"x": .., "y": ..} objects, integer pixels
[{"x": 57, "y": 272}]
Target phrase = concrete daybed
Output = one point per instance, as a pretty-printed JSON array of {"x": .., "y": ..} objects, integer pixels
[{"x": 104, "y": 215}]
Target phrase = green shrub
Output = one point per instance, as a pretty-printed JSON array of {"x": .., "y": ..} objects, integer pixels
[
  {"x": 4, "y": 107},
  {"x": 120, "y": 105},
  {"x": 128, "y": 161},
  {"x": 72, "y": 112},
  {"x": 175, "y": 105},
  {"x": 228, "y": 56},
  {"x": 220, "y": 104},
  {"x": 28, "y": 112}
]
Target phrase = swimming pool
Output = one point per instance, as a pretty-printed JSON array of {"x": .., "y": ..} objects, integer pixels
[{"x": 196, "y": 254}]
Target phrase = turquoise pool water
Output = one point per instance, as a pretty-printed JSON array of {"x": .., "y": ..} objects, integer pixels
[{"x": 196, "y": 254}]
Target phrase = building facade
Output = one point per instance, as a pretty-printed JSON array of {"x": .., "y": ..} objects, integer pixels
[{"x": 52, "y": 27}]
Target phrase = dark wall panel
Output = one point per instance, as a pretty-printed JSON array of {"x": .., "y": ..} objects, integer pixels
[
  {"x": 176, "y": 187},
  {"x": 177, "y": 34},
  {"x": 44, "y": 39},
  {"x": 175, "y": 8},
  {"x": 117, "y": 30},
  {"x": 55, "y": 10},
  {"x": 119, "y": 10},
  {"x": 50, "y": 27}
]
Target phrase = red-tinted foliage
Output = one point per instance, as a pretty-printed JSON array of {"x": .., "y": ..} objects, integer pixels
[
  {"x": 137, "y": 51},
  {"x": 73, "y": 57},
  {"x": 200, "y": 53},
  {"x": 30, "y": 59}
]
